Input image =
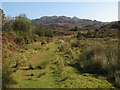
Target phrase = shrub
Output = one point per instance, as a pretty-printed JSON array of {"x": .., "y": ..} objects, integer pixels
[
  {"x": 99, "y": 60},
  {"x": 40, "y": 32},
  {"x": 35, "y": 37},
  {"x": 27, "y": 40},
  {"x": 79, "y": 35},
  {"x": 22, "y": 23},
  {"x": 44, "y": 31},
  {"x": 19, "y": 40},
  {"x": 7, "y": 79},
  {"x": 116, "y": 77}
]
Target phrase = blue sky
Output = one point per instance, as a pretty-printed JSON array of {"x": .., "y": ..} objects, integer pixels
[{"x": 102, "y": 11}]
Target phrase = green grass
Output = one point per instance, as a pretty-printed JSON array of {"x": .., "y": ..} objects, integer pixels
[
  {"x": 36, "y": 58},
  {"x": 33, "y": 79},
  {"x": 76, "y": 80},
  {"x": 69, "y": 77},
  {"x": 54, "y": 73}
]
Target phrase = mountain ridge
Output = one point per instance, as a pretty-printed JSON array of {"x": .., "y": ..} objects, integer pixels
[{"x": 67, "y": 22}]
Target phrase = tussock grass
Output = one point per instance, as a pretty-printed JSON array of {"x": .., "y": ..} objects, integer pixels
[{"x": 101, "y": 60}]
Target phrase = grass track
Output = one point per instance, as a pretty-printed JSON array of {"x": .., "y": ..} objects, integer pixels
[{"x": 44, "y": 78}]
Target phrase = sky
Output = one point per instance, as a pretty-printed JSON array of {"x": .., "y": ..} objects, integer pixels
[
  {"x": 101, "y": 11},
  {"x": 59, "y": 0},
  {"x": 119, "y": 11}
]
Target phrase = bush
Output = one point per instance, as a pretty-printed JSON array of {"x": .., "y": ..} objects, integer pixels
[
  {"x": 27, "y": 40},
  {"x": 44, "y": 31},
  {"x": 22, "y": 23},
  {"x": 116, "y": 77},
  {"x": 7, "y": 79},
  {"x": 35, "y": 37},
  {"x": 19, "y": 40},
  {"x": 79, "y": 35},
  {"x": 99, "y": 60},
  {"x": 102, "y": 61}
]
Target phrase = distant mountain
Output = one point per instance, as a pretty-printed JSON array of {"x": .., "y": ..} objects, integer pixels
[{"x": 63, "y": 22}]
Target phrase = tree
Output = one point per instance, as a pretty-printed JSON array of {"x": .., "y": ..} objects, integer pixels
[
  {"x": 8, "y": 24},
  {"x": 22, "y": 26},
  {"x": 22, "y": 23},
  {"x": 2, "y": 17}
]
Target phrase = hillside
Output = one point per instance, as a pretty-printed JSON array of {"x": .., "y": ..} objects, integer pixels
[
  {"x": 58, "y": 22},
  {"x": 111, "y": 29}
]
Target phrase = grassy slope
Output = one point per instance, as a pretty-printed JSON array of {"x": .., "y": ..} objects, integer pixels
[{"x": 49, "y": 76}]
